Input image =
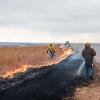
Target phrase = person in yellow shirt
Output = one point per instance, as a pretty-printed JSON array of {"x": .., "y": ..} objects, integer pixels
[{"x": 51, "y": 51}]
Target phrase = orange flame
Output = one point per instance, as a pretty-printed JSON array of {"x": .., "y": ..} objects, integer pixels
[{"x": 23, "y": 68}]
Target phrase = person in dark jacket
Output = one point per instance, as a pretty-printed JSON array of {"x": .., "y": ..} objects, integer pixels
[{"x": 88, "y": 54}]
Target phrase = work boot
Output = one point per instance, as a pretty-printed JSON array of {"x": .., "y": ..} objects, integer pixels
[{"x": 91, "y": 77}]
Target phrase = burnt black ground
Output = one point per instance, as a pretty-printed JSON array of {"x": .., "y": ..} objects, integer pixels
[{"x": 49, "y": 83}]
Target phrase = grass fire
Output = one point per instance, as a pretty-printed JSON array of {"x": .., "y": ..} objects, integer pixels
[{"x": 19, "y": 59}]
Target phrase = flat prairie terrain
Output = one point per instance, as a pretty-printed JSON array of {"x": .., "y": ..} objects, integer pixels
[{"x": 12, "y": 58}]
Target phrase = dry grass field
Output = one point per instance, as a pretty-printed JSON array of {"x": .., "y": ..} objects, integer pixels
[{"x": 12, "y": 58}]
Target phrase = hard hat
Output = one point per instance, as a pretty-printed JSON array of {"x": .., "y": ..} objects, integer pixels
[
  {"x": 50, "y": 44},
  {"x": 87, "y": 44}
]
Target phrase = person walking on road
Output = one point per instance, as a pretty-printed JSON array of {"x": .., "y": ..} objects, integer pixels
[
  {"x": 51, "y": 51},
  {"x": 88, "y": 54}
]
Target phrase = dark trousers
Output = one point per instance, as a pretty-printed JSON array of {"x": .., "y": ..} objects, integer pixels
[{"x": 89, "y": 70}]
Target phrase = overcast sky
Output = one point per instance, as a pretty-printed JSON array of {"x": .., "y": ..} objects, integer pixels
[{"x": 50, "y": 20}]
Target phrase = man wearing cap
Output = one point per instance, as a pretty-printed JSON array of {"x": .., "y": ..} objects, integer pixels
[{"x": 88, "y": 54}]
